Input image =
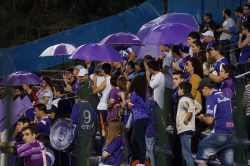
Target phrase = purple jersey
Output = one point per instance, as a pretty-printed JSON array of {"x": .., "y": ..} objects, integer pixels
[
  {"x": 245, "y": 54},
  {"x": 76, "y": 86},
  {"x": 115, "y": 149},
  {"x": 218, "y": 65},
  {"x": 44, "y": 125},
  {"x": 219, "y": 107},
  {"x": 186, "y": 59},
  {"x": 140, "y": 106},
  {"x": 114, "y": 94},
  {"x": 32, "y": 153},
  {"x": 150, "y": 131},
  {"x": 208, "y": 45}
]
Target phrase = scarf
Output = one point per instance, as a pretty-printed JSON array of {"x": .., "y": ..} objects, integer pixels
[
  {"x": 40, "y": 91},
  {"x": 245, "y": 18},
  {"x": 189, "y": 95}
]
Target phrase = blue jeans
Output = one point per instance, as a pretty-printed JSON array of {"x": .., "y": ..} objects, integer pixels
[
  {"x": 222, "y": 145},
  {"x": 128, "y": 151},
  {"x": 186, "y": 150},
  {"x": 150, "y": 142}
]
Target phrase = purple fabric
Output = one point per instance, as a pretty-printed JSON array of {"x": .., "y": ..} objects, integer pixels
[
  {"x": 175, "y": 95},
  {"x": 150, "y": 131},
  {"x": 115, "y": 149},
  {"x": 122, "y": 39},
  {"x": 32, "y": 153},
  {"x": 228, "y": 87},
  {"x": 217, "y": 65},
  {"x": 113, "y": 95},
  {"x": 140, "y": 106},
  {"x": 30, "y": 113},
  {"x": 131, "y": 74},
  {"x": 97, "y": 52},
  {"x": 44, "y": 125},
  {"x": 75, "y": 87},
  {"x": 208, "y": 45},
  {"x": 177, "y": 34},
  {"x": 21, "y": 78}
]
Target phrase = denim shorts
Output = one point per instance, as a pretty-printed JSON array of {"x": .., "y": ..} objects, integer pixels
[{"x": 222, "y": 145}]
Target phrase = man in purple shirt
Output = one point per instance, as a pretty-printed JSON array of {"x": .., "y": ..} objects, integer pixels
[
  {"x": 208, "y": 38},
  {"x": 42, "y": 119}
]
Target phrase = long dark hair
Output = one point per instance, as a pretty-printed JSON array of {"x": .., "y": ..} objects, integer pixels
[
  {"x": 47, "y": 80},
  {"x": 198, "y": 43},
  {"x": 197, "y": 66},
  {"x": 202, "y": 56},
  {"x": 139, "y": 86}
]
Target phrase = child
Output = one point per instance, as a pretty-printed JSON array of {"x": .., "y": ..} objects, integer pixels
[
  {"x": 114, "y": 96},
  {"x": 115, "y": 147},
  {"x": 42, "y": 119},
  {"x": 44, "y": 138},
  {"x": 104, "y": 134},
  {"x": 185, "y": 120}
]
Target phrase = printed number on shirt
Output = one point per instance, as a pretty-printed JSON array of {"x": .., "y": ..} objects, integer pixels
[{"x": 87, "y": 118}]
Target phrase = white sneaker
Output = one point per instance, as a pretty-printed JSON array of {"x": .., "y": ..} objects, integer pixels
[
  {"x": 206, "y": 132},
  {"x": 140, "y": 164},
  {"x": 170, "y": 128}
]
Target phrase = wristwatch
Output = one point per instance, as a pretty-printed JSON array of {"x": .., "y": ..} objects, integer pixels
[{"x": 207, "y": 75}]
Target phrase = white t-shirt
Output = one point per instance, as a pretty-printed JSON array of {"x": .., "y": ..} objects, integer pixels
[
  {"x": 99, "y": 79},
  {"x": 42, "y": 95},
  {"x": 157, "y": 83},
  {"x": 226, "y": 25},
  {"x": 205, "y": 65},
  {"x": 104, "y": 101},
  {"x": 190, "y": 51},
  {"x": 168, "y": 76}
]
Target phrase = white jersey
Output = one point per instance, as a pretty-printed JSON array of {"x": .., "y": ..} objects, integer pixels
[{"x": 103, "y": 104}]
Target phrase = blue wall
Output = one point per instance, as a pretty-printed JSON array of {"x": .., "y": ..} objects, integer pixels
[
  {"x": 198, "y": 8},
  {"x": 26, "y": 57}
]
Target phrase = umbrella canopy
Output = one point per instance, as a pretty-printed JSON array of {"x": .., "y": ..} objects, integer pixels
[
  {"x": 122, "y": 39},
  {"x": 175, "y": 33},
  {"x": 59, "y": 50},
  {"x": 21, "y": 78},
  {"x": 145, "y": 30},
  {"x": 97, "y": 52}
]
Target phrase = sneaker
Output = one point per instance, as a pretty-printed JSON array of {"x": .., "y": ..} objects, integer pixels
[
  {"x": 124, "y": 164},
  {"x": 206, "y": 132},
  {"x": 170, "y": 128},
  {"x": 140, "y": 164}
]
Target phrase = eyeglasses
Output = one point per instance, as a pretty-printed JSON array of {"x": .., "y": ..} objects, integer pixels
[{"x": 222, "y": 71}]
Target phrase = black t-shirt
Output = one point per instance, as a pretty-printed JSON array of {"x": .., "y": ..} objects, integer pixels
[
  {"x": 116, "y": 72},
  {"x": 62, "y": 107},
  {"x": 210, "y": 24}
]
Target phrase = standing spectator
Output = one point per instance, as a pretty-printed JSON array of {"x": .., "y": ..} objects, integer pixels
[
  {"x": 129, "y": 71},
  {"x": 194, "y": 68},
  {"x": 90, "y": 66},
  {"x": 217, "y": 53},
  {"x": 45, "y": 94},
  {"x": 221, "y": 140},
  {"x": 196, "y": 47},
  {"x": 147, "y": 59},
  {"x": 76, "y": 71},
  {"x": 177, "y": 63},
  {"x": 210, "y": 25},
  {"x": 246, "y": 13},
  {"x": 157, "y": 82},
  {"x": 208, "y": 38},
  {"x": 139, "y": 67},
  {"x": 28, "y": 89},
  {"x": 117, "y": 70},
  {"x": 69, "y": 79},
  {"x": 192, "y": 36},
  {"x": 226, "y": 35},
  {"x": 166, "y": 49},
  {"x": 185, "y": 118},
  {"x": 99, "y": 75}
]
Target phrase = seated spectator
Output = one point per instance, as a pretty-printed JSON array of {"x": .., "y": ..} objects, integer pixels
[
  {"x": 208, "y": 38},
  {"x": 68, "y": 79},
  {"x": 210, "y": 25},
  {"x": 192, "y": 36},
  {"x": 28, "y": 89},
  {"x": 210, "y": 59},
  {"x": 42, "y": 119},
  {"x": 45, "y": 94},
  {"x": 90, "y": 66},
  {"x": 194, "y": 68},
  {"x": 61, "y": 107},
  {"x": 196, "y": 47},
  {"x": 203, "y": 59},
  {"x": 139, "y": 67},
  {"x": 178, "y": 62},
  {"x": 75, "y": 87},
  {"x": 129, "y": 71},
  {"x": 21, "y": 123}
]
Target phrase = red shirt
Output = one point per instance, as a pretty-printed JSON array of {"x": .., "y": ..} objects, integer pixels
[{"x": 35, "y": 97}]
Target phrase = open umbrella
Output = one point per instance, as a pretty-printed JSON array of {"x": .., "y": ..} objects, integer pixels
[
  {"x": 122, "y": 39},
  {"x": 145, "y": 30},
  {"x": 97, "y": 52},
  {"x": 175, "y": 33},
  {"x": 59, "y": 50},
  {"x": 21, "y": 78}
]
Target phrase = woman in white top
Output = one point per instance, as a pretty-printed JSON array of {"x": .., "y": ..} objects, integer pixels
[{"x": 45, "y": 94}]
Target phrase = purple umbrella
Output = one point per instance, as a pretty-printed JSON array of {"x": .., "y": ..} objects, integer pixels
[
  {"x": 97, "y": 52},
  {"x": 175, "y": 33},
  {"x": 145, "y": 30},
  {"x": 21, "y": 78},
  {"x": 122, "y": 39}
]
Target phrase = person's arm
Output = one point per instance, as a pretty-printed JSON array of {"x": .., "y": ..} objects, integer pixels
[
  {"x": 238, "y": 26},
  {"x": 191, "y": 109},
  {"x": 175, "y": 66},
  {"x": 111, "y": 104},
  {"x": 7, "y": 147},
  {"x": 73, "y": 116},
  {"x": 211, "y": 111},
  {"x": 123, "y": 103},
  {"x": 100, "y": 88},
  {"x": 131, "y": 101},
  {"x": 105, "y": 155},
  {"x": 206, "y": 119},
  {"x": 244, "y": 43},
  {"x": 186, "y": 120},
  {"x": 148, "y": 75},
  {"x": 52, "y": 115},
  {"x": 215, "y": 78},
  {"x": 223, "y": 30},
  {"x": 165, "y": 69}
]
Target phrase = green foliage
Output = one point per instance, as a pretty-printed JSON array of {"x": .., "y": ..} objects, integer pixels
[{"x": 24, "y": 21}]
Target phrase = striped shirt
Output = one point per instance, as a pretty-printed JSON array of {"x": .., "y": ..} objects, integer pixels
[{"x": 246, "y": 100}]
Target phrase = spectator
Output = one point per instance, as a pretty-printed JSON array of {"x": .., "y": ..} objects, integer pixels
[
  {"x": 210, "y": 59},
  {"x": 157, "y": 82},
  {"x": 61, "y": 107},
  {"x": 45, "y": 94},
  {"x": 246, "y": 13},
  {"x": 227, "y": 85},
  {"x": 238, "y": 26},
  {"x": 178, "y": 62},
  {"x": 147, "y": 59},
  {"x": 28, "y": 89},
  {"x": 30, "y": 113},
  {"x": 68, "y": 79},
  {"x": 166, "y": 49},
  {"x": 42, "y": 119},
  {"x": 76, "y": 71},
  {"x": 21, "y": 123},
  {"x": 194, "y": 68},
  {"x": 185, "y": 118},
  {"x": 226, "y": 35},
  {"x": 208, "y": 38},
  {"x": 98, "y": 72},
  {"x": 139, "y": 67},
  {"x": 245, "y": 45},
  {"x": 131, "y": 54},
  {"x": 117, "y": 70},
  {"x": 219, "y": 116},
  {"x": 90, "y": 66},
  {"x": 203, "y": 59},
  {"x": 197, "y": 46},
  {"x": 210, "y": 25},
  {"x": 19, "y": 91},
  {"x": 192, "y": 36},
  {"x": 129, "y": 71},
  {"x": 184, "y": 50},
  {"x": 217, "y": 53}
]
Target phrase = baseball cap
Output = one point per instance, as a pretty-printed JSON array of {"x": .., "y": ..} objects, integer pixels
[
  {"x": 209, "y": 15},
  {"x": 184, "y": 48},
  {"x": 79, "y": 67},
  {"x": 83, "y": 72},
  {"x": 208, "y": 33},
  {"x": 139, "y": 61},
  {"x": 205, "y": 82},
  {"x": 168, "y": 45}
]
